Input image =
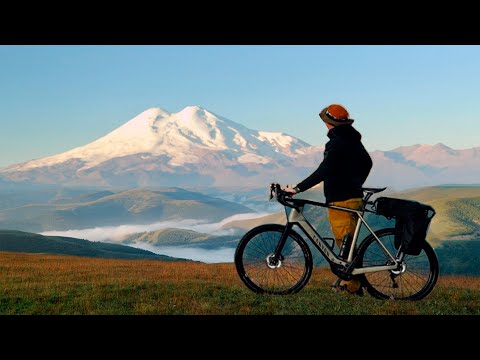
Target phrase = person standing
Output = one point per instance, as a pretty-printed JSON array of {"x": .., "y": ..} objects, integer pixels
[{"x": 345, "y": 167}]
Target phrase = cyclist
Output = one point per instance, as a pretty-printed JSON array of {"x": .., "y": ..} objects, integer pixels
[{"x": 344, "y": 169}]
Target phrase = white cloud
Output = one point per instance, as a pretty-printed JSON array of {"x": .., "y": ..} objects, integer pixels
[
  {"x": 208, "y": 256},
  {"x": 117, "y": 233}
]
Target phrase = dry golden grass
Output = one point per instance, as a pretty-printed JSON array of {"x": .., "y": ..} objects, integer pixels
[{"x": 50, "y": 284}]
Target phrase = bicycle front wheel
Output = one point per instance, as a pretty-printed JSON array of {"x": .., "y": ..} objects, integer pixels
[
  {"x": 254, "y": 266},
  {"x": 415, "y": 278}
]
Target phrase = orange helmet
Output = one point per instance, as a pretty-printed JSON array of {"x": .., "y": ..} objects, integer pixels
[{"x": 335, "y": 115}]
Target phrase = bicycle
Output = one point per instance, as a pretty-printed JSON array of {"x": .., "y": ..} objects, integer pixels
[{"x": 275, "y": 259}]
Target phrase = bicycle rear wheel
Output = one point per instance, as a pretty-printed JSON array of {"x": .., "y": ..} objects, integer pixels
[
  {"x": 413, "y": 281},
  {"x": 254, "y": 266}
]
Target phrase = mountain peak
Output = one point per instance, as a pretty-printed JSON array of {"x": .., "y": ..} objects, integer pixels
[
  {"x": 193, "y": 110},
  {"x": 193, "y": 107},
  {"x": 442, "y": 146},
  {"x": 155, "y": 111}
]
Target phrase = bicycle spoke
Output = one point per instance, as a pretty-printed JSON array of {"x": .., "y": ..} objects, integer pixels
[
  {"x": 272, "y": 245},
  {"x": 258, "y": 249},
  {"x": 385, "y": 278},
  {"x": 408, "y": 279},
  {"x": 409, "y": 285},
  {"x": 412, "y": 280},
  {"x": 258, "y": 252},
  {"x": 287, "y": 273},
  {"x": 416, "y": 275},
  {"x": 262, "y": 245},
  {"x": 255, "y": 264},
  {"x": 280, "y": 277}
]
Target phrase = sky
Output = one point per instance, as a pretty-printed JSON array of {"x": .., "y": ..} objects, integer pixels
[{"x": 55, "y": 98}]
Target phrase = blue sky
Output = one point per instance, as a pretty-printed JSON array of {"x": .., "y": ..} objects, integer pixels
[{"x": 54, "y": 98}]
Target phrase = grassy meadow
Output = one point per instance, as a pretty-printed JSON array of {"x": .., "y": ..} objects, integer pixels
[{"x": 53, "y": 284}]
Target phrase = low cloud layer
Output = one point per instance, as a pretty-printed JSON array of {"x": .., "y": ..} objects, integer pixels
[
  {"x": 219, "y": 255},
  {"x": 118, "y": 233}
]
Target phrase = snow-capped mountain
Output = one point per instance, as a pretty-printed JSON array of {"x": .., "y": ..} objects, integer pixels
[
  {"x": 157, "y": 132},
  {"x": 195, "y": 147},
  {"x": 191, "y": 147}
]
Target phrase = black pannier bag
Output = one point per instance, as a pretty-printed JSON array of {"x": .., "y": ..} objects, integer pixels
[{"x": 412, "y": 220}]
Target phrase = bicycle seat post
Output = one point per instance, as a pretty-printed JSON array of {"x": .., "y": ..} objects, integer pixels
[
  {"x": 368, "y": 194},
  {"x": 366, "y": 197}
]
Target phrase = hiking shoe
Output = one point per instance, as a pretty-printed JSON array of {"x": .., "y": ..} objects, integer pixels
[
  {"x": 335, "y": 284},
  {"x": 344, "y": 289}
]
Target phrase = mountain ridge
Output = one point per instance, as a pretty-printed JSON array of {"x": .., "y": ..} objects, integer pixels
[
  {"x": 180, "y": 237},
  {"x": 132, "y": 206},
  {"x": 196, "y": 147}
]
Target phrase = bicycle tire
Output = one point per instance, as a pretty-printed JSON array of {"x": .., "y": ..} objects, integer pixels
[
  {"x": 414, "y": 281},
  {"x": 251, "y": 261}
]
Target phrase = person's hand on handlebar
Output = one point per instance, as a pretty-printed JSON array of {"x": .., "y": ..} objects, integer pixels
[{"x": 291, "y": 191}]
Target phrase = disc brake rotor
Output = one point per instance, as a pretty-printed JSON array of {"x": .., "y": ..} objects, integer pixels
[
  {"x": 403, "y": 268},
  {"x": 271, "y": 262}
]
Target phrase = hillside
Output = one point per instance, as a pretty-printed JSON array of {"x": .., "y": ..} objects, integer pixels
[
  {"x": 19, "y": 241},
  {"x": 434, "y": 193},
  {"x": 136, "y": 206},
  {"x": 83, "y": 198},
  {"x": 181, "y": 237},
  {"x": 457, "y": 213},
  {"x": 457, "y": 210},
  {"x": 459, "y": 257},
  {"x": 17, "y": 195},
  {"x": 51, "y": 284}
]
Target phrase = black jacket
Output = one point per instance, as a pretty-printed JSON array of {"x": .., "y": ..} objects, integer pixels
[{"x": 345, "y": 166}]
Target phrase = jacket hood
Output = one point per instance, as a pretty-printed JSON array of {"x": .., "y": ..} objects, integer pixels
[{"x": 344, "y": 131}]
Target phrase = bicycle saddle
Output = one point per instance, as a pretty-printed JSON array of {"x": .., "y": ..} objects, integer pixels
[{"x": 373, "y": 190}]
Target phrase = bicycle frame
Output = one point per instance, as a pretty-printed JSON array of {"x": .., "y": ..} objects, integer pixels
[{"x": 295, "y": 217}]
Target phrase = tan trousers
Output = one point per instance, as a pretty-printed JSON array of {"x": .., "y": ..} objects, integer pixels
[{"x": 342, "y": 223}]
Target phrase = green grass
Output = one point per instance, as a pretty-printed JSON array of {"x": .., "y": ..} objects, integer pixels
[{"x": 48, "y": 284}]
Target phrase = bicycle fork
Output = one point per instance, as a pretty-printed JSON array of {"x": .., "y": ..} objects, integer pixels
[{"x": 277, "y": 255}]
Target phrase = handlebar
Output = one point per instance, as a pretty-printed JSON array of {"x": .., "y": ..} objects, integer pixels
[{"x": 277, "y": 192}]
